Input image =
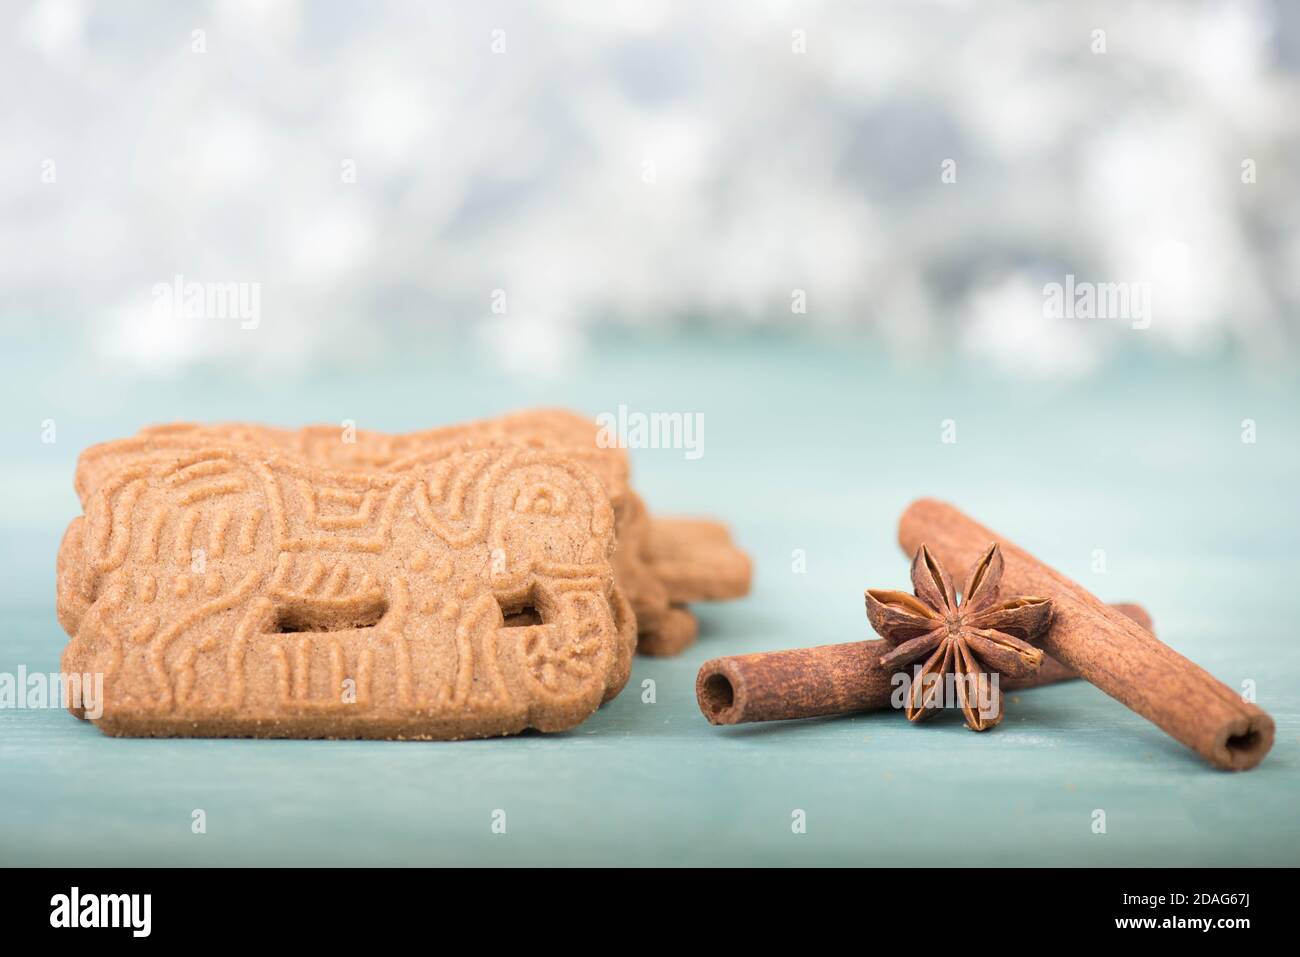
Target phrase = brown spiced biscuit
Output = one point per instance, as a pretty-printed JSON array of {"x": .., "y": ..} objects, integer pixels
[
  {"x": 696, "y": 560},
  {"x": 70, "y": 603},
  {"x": 229, "y": 591},
  {"x": 691, "y": 560},
  {"x": 674, "y": 632},
  {"x": 665, "y": 626},
  {"x": 354, "y": 449},
  {"x": 361, "y": 450},
  {"x": 648, "y": 595}
]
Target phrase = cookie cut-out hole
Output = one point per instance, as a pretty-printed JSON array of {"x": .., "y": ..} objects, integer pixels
[
  {"x": 519, "y": 609},
  {"x": 300, "y": 617},
  {"x": 522, "y": 618}
]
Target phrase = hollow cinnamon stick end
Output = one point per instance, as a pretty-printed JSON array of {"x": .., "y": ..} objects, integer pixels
[
  {"x": 720, "y": 691},
  {"x": 1244, "y": 742}
]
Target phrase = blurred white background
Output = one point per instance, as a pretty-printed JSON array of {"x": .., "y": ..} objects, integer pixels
[{"x": 381, "y": 169}]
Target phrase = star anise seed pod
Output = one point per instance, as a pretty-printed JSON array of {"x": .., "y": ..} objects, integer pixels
[{"x": 971, "y": 641}]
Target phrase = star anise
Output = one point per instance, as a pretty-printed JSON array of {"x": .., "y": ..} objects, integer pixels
[{"x": 971, "y": 641}]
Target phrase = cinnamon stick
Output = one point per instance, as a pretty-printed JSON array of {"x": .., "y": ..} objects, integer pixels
[
  {"x": 830, "y": 679},
  {"x": 1106, "y": 648}
]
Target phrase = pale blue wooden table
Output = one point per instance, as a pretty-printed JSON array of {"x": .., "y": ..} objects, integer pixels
[{"x": 806, "y": 446}]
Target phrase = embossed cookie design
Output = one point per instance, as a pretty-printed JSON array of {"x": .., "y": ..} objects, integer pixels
[
  {"x": 227, "y": 592},
  {"x": 653, "y": 561}
]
